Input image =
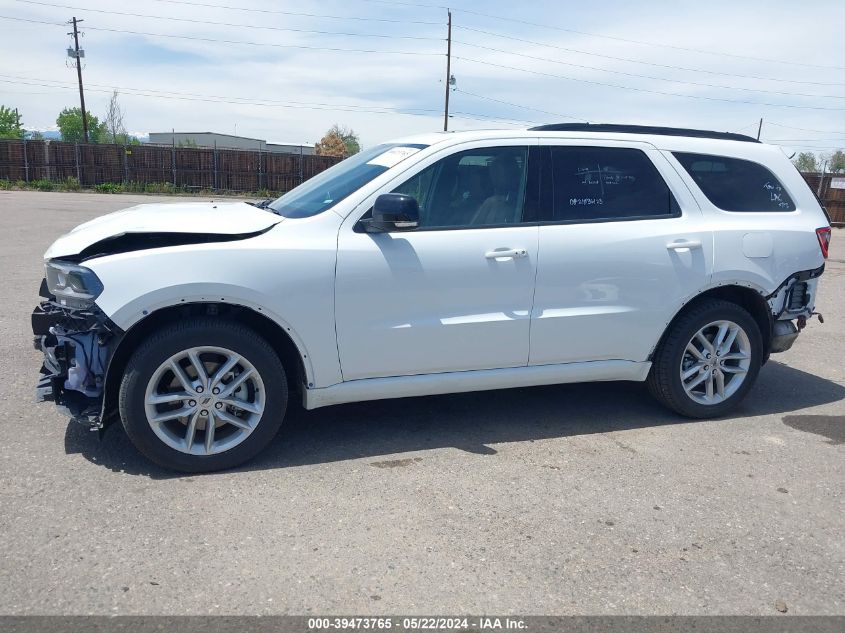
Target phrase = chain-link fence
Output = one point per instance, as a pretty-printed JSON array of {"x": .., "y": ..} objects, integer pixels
[{"x": 183, "y": 168}]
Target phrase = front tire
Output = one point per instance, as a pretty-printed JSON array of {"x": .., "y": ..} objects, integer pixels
[
  {"x": 708, "y": 361},
  {"x": 203, "y": 395}
]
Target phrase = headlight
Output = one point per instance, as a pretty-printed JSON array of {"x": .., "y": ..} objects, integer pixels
[{"x": 73, "y": 286}]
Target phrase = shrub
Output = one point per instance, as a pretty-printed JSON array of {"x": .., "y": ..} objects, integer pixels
[
  {"x": 5, "y": 184},
  {"x": 134, "y": 186},
  {"x": 42, "y": 184},
  {"x": 71, "y": 184},
  {"x": 108, "y": 187}
]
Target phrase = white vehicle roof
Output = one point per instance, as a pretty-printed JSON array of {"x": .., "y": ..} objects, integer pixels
[{"x": 668, "y": 139}]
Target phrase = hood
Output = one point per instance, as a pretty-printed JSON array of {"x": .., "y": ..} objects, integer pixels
[{"x": 155, "y": 225}]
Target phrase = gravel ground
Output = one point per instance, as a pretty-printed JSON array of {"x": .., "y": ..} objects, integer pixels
[{"x": 576, "y": 499}]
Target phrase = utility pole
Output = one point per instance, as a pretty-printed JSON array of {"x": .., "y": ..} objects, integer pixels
[
  {"x": 759, "y": 128},
  {"x": 448, "y": 71},
  {"x": 79, "y": 75},
  {"x": 821, "y": 181}
]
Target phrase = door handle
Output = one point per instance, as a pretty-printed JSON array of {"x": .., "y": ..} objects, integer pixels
[
  {"x": 683, "y": 245},
  {"x": 507, "y": 253}
]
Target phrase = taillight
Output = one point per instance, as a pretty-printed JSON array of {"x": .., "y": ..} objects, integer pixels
[{"x": 824, "y": 239}]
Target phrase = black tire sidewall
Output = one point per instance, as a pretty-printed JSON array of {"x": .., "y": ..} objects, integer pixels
[
  {"x": 197, "y": 333},
  {"x": 686, "y": 328}
]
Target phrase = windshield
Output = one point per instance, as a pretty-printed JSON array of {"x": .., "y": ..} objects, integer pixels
[{"x": 331, "y": 186}]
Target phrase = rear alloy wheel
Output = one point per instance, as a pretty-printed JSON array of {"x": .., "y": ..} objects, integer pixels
[
  {"x": 715, "y": 362},
  {"x": 708, "y": 361},
  {"x": 203, "y": 395}
]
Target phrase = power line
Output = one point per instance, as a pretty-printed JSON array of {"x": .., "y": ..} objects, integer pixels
[
  {"x": 806, "y": 140},
  {"x": 803, "y": 129},
  {"x": 745, "y": 127},
  {"x": 413, "y": 37},
  {"x": 158, "y": 94},
  {"x": 644, "y": 43},
  {"x": 136, "y": 92},
  {"x": 244, "y": 42},
  {"x": 816, "y": 147},
  {"x": 645, "y": 90},
  {"x": 295, "y": 13},
  {"x": 522, "y": 107},
  {"x": 627, "y": 74},
  {"x": 267, "y": 102},
  {"x": 495, "y": 17},
  {"x": 638, "y": 61},
  {"x": 187, "y": 96},
  {"x": 229, "y": 24},
  {"x": 408, "y": 4},
  {"x": 485, "y": 117}
]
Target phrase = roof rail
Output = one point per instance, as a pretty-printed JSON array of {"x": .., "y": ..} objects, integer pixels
[{"x": 641, "y": 129}]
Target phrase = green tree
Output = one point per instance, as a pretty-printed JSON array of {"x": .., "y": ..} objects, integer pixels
[
  {"x": 10, "y": 123},
  {"x": 70, "y": 126},
  {"x": 806, "y": 162},
  {"x": 339, "y": 141},
  {"x": 836, "y": 162}
]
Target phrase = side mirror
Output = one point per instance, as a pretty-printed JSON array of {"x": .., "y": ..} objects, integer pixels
[{"x": 393, "y": 212}]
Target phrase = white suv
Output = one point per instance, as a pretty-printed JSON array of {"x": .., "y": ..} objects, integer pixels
[{"x": 436, "y": 264}]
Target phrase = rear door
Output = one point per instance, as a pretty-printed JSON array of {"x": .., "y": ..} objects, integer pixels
[{"x": 622, "y": 245}]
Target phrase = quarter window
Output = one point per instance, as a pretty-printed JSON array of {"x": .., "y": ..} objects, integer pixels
[
  {"x": 733, "y": 184},
  {"x": 607, "y": 183},
  {"x": 477, "y": 187}
]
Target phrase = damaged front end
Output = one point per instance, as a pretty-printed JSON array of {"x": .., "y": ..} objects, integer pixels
[{"x": 77, "y": 340}]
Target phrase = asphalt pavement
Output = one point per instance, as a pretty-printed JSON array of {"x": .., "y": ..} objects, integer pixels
[{"x": 574, "y": 499}]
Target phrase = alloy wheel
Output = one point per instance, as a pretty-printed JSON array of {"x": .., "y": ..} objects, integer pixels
[
  {"x": 204, "y": 400},
  {"x": 715, "y": 362}
]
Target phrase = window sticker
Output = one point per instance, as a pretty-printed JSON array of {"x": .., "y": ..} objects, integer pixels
[{"x": 393, "y": 156}]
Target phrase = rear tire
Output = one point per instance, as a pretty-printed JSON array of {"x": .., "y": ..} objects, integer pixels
[
  {"x": 706, "y": 364},
  {"x": 211, "y": 418}
]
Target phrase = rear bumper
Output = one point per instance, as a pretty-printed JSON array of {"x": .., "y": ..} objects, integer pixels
[{"x": 77, "y": 346}]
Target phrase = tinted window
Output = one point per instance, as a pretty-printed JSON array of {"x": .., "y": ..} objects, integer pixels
[
  {"x": 605, "y": 183},
  {"x": 478, "y": 187},
  {"x": 733, "y": 184}
]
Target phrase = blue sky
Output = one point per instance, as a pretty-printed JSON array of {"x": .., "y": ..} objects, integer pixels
[{"x": 265, "y": 69}]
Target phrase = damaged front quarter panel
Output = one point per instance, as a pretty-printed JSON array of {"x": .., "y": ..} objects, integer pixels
[{"x": 77, "y": 345}]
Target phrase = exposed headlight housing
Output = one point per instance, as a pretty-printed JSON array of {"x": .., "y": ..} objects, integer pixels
[{"x": 73, "y": 286}]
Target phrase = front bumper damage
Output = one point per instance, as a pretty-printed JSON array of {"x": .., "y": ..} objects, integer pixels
[{"x": 77, "y": 345}]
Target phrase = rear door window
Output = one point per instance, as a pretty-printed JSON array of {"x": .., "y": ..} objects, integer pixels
[
  {"x": 595, "y": 184},
  {"x": 733, "y": 184}
]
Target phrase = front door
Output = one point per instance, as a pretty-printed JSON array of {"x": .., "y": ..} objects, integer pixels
[{"x": 454, "y": 294}]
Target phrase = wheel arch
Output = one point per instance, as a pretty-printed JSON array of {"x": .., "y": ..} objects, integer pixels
[
  {"x": 280, "y": 338},
  {"x": 749, "y": 299}
]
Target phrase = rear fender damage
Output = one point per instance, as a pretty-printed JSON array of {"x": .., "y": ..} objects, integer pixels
[{"x": 791, "y": 305}]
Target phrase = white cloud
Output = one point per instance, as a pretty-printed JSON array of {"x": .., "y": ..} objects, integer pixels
[{"x": 238, "y": 72}]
